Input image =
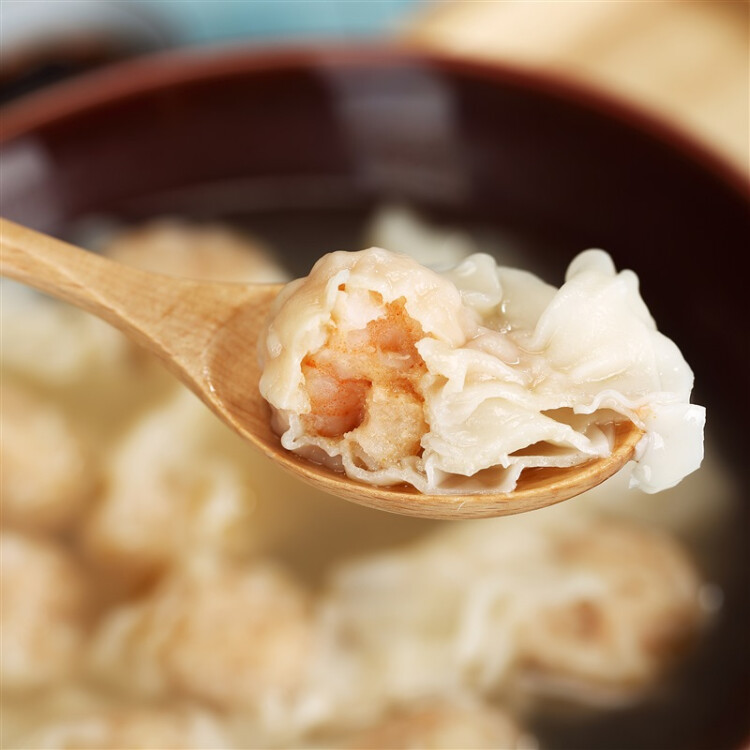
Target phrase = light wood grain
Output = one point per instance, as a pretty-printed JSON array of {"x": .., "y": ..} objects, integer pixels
[{"x": 207, "y": 334}]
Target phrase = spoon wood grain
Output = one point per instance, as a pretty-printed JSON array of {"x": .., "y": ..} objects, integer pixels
[{"x": 207, "y": 335}]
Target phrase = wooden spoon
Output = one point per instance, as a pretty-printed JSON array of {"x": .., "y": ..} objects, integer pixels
[{"x": 207, "y": 335}]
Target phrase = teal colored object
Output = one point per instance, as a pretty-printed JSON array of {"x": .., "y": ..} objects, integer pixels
[{"x": 201, "y": 21}]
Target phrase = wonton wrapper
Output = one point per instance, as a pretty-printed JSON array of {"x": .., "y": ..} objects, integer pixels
[
  {"x": 47, "y": 473},
  {"x": 401, "y": 230},
  {"x": 56, "y": 344},
  {"x": 540, "y": 600},
  {"x": 444, "y": 726},
  {"x": 234, "y": 636},
  {"x": 43, "y": 618},
  {"x": 132, "y": 729},
  {"x": 208, "y": 252},
  {"x": 173, "y": 491},
  {"x": 494, "y": 369}
]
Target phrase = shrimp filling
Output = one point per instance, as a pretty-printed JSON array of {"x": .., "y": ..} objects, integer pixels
[{"x": 367, "y": 382}]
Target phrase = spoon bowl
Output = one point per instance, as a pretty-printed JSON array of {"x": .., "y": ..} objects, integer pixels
[{"x": 207, "y": 335}]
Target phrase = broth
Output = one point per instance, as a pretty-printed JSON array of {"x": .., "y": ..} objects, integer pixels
[{"x": 311, "y": 534}]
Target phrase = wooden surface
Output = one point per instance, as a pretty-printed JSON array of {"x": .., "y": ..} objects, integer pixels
[{"x": 687, "y": 61}]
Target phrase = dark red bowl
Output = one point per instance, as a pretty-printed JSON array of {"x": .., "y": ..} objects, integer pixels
[{"x": 301, "y": 143}]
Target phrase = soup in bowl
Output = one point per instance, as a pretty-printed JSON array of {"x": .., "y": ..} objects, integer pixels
[{"x": 165, "y": 585}]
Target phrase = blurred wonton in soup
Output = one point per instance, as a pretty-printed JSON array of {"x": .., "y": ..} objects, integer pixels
[
  {"x": 43, "y": 618},
  {"x": 235, "y": 636},
  {"x": 48, "y": 473},
  {"x": 444, "y": 726},
  {"x": 132, "y": 729},
  {"x": 600, "y": 608},
  {"x": 210, "y": 252},
  {"x": 173, "y": 490}
]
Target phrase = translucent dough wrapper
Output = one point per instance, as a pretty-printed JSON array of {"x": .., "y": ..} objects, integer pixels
[
  {"x": 44, "y": 617},
  {"x": 167, "y": 499},
  {"x": 445, "y": 726},
  {"x": 235, "y": 636},
  {"x": 595, "y": 611},
  {"x": 34, "y": 432},
  {"x": 457, "y": 382},
  {"x": 133, "y": 728}
]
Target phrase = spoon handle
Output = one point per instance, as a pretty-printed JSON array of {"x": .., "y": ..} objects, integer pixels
[
  {"x": 173, "y": 318},
  {"x": 84, "y": 279}
]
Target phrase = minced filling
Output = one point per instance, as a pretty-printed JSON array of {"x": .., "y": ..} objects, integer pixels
[{"x": 367, "y": 382}]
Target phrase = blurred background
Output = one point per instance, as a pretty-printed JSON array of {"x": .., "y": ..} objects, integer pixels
[
  {"x": 684, "y": 60},
  {"x": 121, "y": 562}
]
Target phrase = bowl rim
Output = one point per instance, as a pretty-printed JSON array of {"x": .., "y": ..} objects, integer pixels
[{"x": 152, "y": 72}]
